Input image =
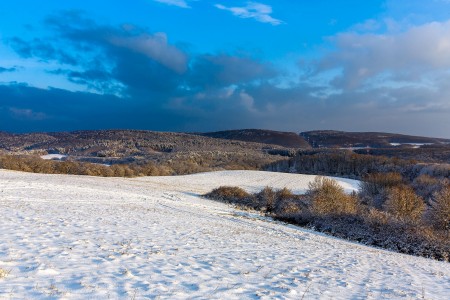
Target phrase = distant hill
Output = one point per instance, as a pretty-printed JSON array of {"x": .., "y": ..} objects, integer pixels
[
  {"x": 123, "y": 146},
  {"x": 284, "y": 139},
  {"x": 342, "y": 139},
  {"x": 127, "y": 146}
]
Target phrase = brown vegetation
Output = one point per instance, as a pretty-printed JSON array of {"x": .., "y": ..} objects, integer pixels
[
  {"x": 179, "y": 164},
  {"x": 285, "y": 139},
  {"x": 403, "y": 203},
  {"x": 340, "y": 139},
  {"x": 345, "y": 163},
  {"x": 425, "y": 185},
  {"x": 229, "y": 194},
  {"x": 400, "y": 224},
  {"x": 266, "y": 199},
  {"x": 441, "y": 208},
  {"x": 427, "y": 153},
  {"x": 374, "y": 186},
  {"x": 38, "y": 165},
  {"x": 328, "y": 198}
]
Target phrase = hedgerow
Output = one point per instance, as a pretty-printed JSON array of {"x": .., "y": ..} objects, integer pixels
[{"x": 404, "y": 223}]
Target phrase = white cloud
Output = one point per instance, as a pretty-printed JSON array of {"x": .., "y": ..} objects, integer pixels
[
  {"x": 253, "y": 10},
  {"x": 156, "y": 47},
  {"x": 179, "y": 3},
  {"x": 408, "y": 57},
  {"x": 370, "y": 25}
]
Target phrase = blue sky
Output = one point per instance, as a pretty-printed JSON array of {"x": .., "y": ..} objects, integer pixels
[{"x": 195, "y": 65}]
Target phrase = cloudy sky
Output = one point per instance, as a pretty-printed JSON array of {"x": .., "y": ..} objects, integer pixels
[{"x": 197, "y": 65}]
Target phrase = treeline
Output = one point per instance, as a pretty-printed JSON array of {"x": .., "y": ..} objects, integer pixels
[
  {"x": 356, "y": 166},
  {"x": 178, "y": 165},
  {"x": 381, "y": 176},
  {"x": 36, "y": 164},
  {"x": 427, "y": 153},
  {"x": 385, "y": 212}
]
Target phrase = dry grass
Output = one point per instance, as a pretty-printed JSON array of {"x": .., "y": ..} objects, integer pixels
[{"x": 4, "y": 273}]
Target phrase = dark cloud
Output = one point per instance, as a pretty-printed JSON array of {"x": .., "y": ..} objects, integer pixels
[
  {"x": 26, "y": 114},
  {"x": 6, "y": 70},
  {"x": 24, "y": 108},
  {"x": 145, "y": 61},
  {"x": 124, "y": 59},
  {"x": 131, "y": 61},
  {"x": 42, "y": 50},
  {"x": 94, "y": 79},
  {"x": 84, "y": 34},
  {"x": 223, "y": 70},
  {"x": 141, "y": 80}
]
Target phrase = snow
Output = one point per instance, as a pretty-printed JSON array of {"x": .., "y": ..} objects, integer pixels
[
  {"x": 355, "y": 148},
  {"x": 415, "y": 145},
  {"x": 79, "y": 237},
  {"x": 53, "y": 156},
  {"x": 251, "y": 181}
]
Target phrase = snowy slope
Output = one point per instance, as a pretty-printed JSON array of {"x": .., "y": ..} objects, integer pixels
[
  {"x": 53, "y": 156},
  {"x": 74, "y": 237}
]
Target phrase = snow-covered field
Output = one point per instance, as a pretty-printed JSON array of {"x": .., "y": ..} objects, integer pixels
[
  {"x": 74, "y": 237},
  {"x": 53, "y": 156}
]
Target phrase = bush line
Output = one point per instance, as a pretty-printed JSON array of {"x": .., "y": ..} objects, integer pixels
[{"x": 385, "y": 212}]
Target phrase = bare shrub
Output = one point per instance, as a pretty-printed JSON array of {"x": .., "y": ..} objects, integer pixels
[
  {"x": 118, "y": 170},
  {"x": 67, "y": 167},
  {"x": 373, "y": 187},
  {"x": 326, "y": 208},
  {"x": 129, "y": 172},
  {"x": 231, "y": 194},
  {"x": 287, "y": 204},
  {"x": 328, "y": 198},
  {"x": 426, "y": 186},
  {"x": 187, "y": 166},
  {"x": 283, "y": 197},
  {"x": 285, "y": 194},
  {"x": 282, "y": 203},
  {"x": 404, "y": 204},
  {"x": 266, "y": 199},
  {"x": 97, "y": 170},
  {"x": 289, "y": 208},
  {"x": 375, "y": 217},
  {"x": 440, "y": 211},
  {"x": 150, "y": 169}
]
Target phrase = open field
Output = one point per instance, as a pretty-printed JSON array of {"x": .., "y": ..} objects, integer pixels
[{"x": 78, "y": 237}]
